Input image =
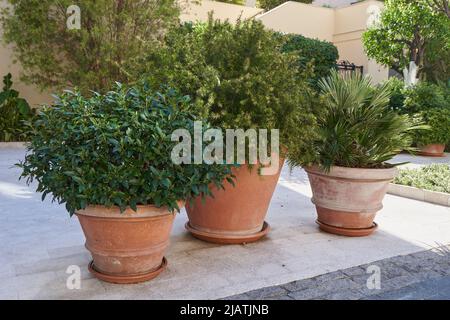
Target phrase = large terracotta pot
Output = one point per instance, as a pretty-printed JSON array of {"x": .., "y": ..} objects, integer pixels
[
  {"x": 236, "y": 214},
  {"x": 347, "y": 199},
  {"x": 126, "y": 247},
  {"x": 432, "y": 150}
]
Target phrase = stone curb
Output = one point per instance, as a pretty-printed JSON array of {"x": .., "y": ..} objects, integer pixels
[
  {"x": 12, "y": 145},
  {"x": 435, "y": 197}
]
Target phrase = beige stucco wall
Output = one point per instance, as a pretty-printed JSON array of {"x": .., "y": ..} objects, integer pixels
[
  {"x": 343, "y": 26},
  {"x": 31, "y": 93},
  {"x": 300, "y": 18},
  {"x": 223, "y": 11}
]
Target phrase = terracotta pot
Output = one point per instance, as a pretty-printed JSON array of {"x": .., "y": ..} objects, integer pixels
[
  {"x": 432, "y": 150},
  {"x": 126, "y": 247},
  {"x": 236, "y": 214},
  {"x": 347, "y": 199}
]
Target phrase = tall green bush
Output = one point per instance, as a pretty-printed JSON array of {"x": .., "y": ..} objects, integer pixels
[
  {"x": 426, "y": 95},
  {"x": 320, "y": 55},
  {"x": 238, "y": 78},
  {"x": 15, "y": 114},
  {"x": 438, "y": 120},
  {"x": 114, "y": 34}
]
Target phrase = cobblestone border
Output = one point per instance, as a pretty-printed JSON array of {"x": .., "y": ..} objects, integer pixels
[{"x": 421, "y": 275}]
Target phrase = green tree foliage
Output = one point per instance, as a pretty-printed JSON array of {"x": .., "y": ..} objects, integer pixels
[
  {"x": 270, "y": 4},
  {"x": 113, "y": 35},
  {"x": 115, "y": 150},
  {"x": 411, "y": 31},
  {"x": 15, "y": 113},
  {"x": 357, "y": 128},
  {"x": 239, "y": 78},
  {"x": 320, "y": 55}
]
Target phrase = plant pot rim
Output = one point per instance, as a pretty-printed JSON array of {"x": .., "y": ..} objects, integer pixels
[
  {"x": 355, "y": 173},
  {"x": 114, "y": 211}
]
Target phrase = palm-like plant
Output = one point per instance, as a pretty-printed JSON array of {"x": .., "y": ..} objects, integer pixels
[{"x": 356, "y": 127}]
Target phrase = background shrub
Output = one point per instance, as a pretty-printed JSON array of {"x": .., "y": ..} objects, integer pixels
[
  {"x": 435, "y": 177},
  {"x": 321, "y": 55},
  {"x": 238, "y": 78},
  {"x": 15, "y": 114},
  {"x": 270, "y": 4},
  {"x": 426, "y": 95},
  {"x": 115, "y": 150},
  {"x": 438, "y": 120},
  {"x": 107, "y": 48}
]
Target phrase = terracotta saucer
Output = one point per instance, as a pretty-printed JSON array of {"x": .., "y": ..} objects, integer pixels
[
  {"x": 346, "y": 231},
  {"x": 228, "y": 239},
  {"x": 127, "y": 279},
  {"x": 430, "y": 154}
]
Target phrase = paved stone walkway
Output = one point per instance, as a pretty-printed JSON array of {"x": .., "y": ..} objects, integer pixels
[{"x": 420, "y": 276}]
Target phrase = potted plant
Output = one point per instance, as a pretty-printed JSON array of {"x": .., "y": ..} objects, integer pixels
[
  {"x": 239, "y": 79},
  {"x": 358, "y": 135},
  {"x": 108, "y": 158},
  {"x": 430, "y": 103},
  {"x": 432, "y": 142}
]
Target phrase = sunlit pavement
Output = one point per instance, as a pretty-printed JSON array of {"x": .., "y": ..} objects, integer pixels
[{"x": 39, "y": 242}]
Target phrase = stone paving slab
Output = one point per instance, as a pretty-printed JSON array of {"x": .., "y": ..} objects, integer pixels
[
  {"x": 419, "y": 276},
  {"x": 40, "y": 241}
]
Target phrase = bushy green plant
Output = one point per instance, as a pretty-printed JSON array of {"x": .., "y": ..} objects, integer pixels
[
  {"x": 112, "y": 37},
  {"x": 15, "y": 113},
  {"x": 426, "y": 95},
  {"x": 239, "y": 78},
  {"x": 397, "y": 97},
  {"x": 115, "y": 150},
  {"x": 322, "y": 55},
  {"x": 438, "y": 120},
  {"x": 357, "y": 128},
  {"x": 435, "y": 177},
  {"x": 270, "y": 4}
]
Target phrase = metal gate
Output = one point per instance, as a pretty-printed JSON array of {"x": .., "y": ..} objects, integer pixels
[{"x": 346, "y": 67}]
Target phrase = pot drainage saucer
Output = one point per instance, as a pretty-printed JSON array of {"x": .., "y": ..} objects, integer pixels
[
  {"x": 130, "y": 278},
  {"x": 228, "y": 239},
  {"x": 347, "y": 231}
]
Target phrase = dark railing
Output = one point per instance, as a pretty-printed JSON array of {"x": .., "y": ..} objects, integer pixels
[{"x": 347, "y": 67}]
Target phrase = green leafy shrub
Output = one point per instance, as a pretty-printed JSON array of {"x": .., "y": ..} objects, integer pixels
[
  {"x": 397, "y": 98},
  {"x": 239, "y": 78},
  {"x": 107, "y": 48},
  {"x": 115, "y": 150},
  {"x": 357, "y": 128},
  {"x": 426, "y": 95},
  {"x": 270, "y": 4},
  {"x": 322, "y": 55},
  {"x": 435, "y": 177},
  {"x": 438, "y": 120},
  {"x": 15, "y": 114}
]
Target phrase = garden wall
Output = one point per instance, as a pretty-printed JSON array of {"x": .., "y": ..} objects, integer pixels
[{"x": 342, "y": 26}]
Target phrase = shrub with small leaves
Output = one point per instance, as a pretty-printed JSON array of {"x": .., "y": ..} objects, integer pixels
[
  {"x": 435, "y": 177},
  {"x": 238, "y": 77},
  {"x": 115, "y": 150},
  {"x": 16, "y": 114},
  {"x": 438, "y": 121}
]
